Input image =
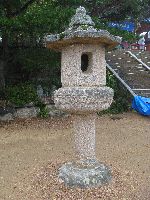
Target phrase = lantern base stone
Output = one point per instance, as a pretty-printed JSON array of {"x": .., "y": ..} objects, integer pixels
[{"x": 83, "y": 176}]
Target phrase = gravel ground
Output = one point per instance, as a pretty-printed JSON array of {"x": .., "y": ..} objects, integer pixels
[{"x": 31, "y": 151}]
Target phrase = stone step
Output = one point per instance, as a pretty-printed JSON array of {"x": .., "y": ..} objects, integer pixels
[{"x": 130, "y": 70}]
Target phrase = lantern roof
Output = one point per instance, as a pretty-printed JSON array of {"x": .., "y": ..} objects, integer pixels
[{"x": 82, "y": 31}]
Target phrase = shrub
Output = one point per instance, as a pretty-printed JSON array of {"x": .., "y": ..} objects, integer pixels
[
  {"x": 122, "y": 98},
  {"x": 20, "y": 95},
  {"x": 44, "y": 113}
]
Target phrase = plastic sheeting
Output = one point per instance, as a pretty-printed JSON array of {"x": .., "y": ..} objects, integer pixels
[{"x": 141, "y": 105}]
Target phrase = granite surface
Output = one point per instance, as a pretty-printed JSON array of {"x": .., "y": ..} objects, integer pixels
[
  {"x": 83, "y": 100},
  {"x": 71, "y": 73},
  {"x": 95, "y": 176}
]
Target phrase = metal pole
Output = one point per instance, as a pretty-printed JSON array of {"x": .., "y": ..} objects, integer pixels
[{"x": 121, "y": 80}]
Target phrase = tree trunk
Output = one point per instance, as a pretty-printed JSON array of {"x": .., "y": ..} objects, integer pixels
[{"x": 3, "y": 60}]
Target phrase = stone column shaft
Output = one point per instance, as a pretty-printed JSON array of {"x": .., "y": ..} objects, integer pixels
[{"x": 84, "y": 136}]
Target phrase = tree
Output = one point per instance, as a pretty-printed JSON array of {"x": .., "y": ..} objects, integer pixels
[
  {"x": 30, "y": 20},
  {"x": 27, "y": 20},
  {"x": 112, "y": 10},
  {"x": 9, "y": 10}
]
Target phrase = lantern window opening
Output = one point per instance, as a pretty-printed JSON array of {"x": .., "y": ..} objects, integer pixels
[{"x": 86, "y": 62}]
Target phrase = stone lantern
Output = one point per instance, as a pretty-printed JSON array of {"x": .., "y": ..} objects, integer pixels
[{"x": 83, "y": 93}]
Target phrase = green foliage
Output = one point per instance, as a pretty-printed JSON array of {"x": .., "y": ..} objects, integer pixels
[
  {"x": 51, "y": 16},
  {"x": 34, "y": 59},
  {"x": 22, "y": 94},
  {"x": 38, "y": 65},
  {"x": 126, "y": 36},
  {"x": 122, "y": 98},
  {"x": 44, "y": 113},
  {"x": 24, "y": 22},
  {"x": 39, "y": 18},
  {"x": 112, "y": 10}
]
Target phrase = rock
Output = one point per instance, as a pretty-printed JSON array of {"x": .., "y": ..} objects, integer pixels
[
  {"x": 6, "y": 117},
  {"x": 50, "y": 107},
  {"x": 27, "y": 112},
  {"x": 6, "y": 113},
  {"x": 40, "y": 92},
  {"x": 6, "y": 110},
  {"x": 85, "y": 177},
  {"x": 81, "y": 18},
  {"x": 54, "y": 112}
]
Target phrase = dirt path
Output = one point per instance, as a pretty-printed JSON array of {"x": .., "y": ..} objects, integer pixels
[{"x": 123, "y": 141}]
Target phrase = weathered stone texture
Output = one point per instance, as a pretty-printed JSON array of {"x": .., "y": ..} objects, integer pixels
[
  {"x": 83, "y": 93},
  {"x": 26, "y": 112},
  {"x": 85, "y": 177},
  {"x": 81, "y": 31},
  {"x": 54, "y": 112},
  {"x": 84, "y": 136},
  {"x": 83, "y": 100},
  {"x": 81, "y": 18},
  {"x": 6, "y": 117},
  {"x": 72, "y": 74}
]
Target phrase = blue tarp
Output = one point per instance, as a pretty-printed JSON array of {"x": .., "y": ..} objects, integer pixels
[
  {"x": 127, "y": 26},
  {"x": 141, "y": 105}
]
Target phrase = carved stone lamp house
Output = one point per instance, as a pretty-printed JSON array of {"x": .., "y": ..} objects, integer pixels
[{"x": 83, "y": 93}]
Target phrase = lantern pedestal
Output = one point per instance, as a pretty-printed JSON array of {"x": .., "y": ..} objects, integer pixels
[
  {"x": 88, "y": 174},
  {"x": 86, "y": 171}
]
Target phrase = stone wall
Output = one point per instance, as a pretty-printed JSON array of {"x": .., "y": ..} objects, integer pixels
[{"x": 9, "y": 114}]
